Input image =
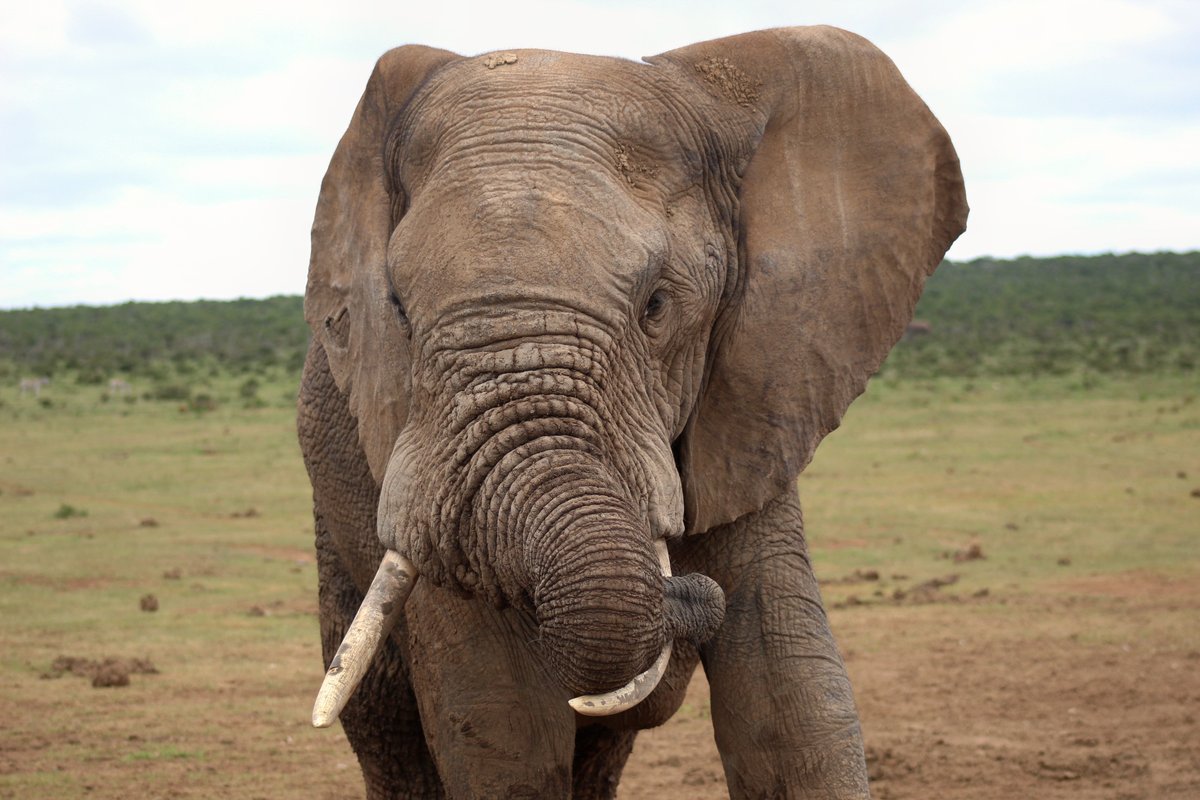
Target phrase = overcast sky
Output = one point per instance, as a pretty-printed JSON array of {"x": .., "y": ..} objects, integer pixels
[{"x": 160, "y": 150}]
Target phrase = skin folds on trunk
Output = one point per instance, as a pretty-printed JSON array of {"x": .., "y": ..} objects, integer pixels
[
  {"x": 512, "y": 486},
  {"x": 597, "y": 586}
]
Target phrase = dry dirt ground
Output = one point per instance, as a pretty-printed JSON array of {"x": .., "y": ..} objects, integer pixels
[
  {"x": 959, "y": 699},
  {"x": 1086, "y": 690}
]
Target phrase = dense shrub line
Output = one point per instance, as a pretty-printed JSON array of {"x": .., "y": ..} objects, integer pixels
[
  {"x": 1132, "y": 313},
  {"x": 1138, "y": 312},
  {"x": 156, "y": 340}
]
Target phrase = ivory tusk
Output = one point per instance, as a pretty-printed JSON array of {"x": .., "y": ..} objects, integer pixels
[
  {"x": 378, "y": 614},
  {"x": 638, "y": 689}
]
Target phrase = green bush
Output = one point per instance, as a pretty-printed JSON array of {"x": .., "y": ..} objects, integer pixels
[
  {"x": 90, "y": 376},
  {"x": 170, "y": 391},
  {"x": 66, "y": 511},
  {"x": 202, "y": 402}
]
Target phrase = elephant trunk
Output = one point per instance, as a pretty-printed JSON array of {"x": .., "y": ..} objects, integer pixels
[{"x": 595, "y": 582}]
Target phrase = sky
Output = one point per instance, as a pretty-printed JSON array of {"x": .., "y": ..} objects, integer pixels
[{"x": 155, "y": 151}]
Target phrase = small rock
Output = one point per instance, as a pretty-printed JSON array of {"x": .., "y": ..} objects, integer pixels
[{"x": 148, "y": 522}]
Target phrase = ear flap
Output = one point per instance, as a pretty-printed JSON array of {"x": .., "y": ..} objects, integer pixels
[
  {"x": 347, "y": 301},
  {"x": 848, "y": 203}
]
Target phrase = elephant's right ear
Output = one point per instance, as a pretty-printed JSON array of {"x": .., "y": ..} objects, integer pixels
[{"x": 347, "y": 302}]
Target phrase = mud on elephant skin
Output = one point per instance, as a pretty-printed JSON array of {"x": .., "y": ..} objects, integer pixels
[{"x": 578, "y": 324}]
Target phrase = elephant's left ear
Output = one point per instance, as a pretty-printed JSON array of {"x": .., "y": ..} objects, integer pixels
[
  {"x": 850, "y": 199},
  {"x": 347, "y": 302}
]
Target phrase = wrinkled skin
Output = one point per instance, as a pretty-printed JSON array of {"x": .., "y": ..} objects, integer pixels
[{"x": 564, "y": 307}]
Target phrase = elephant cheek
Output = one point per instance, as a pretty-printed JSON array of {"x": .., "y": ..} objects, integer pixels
[{"x": 666, "y": 494}]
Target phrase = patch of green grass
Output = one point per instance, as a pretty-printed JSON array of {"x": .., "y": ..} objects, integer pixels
[
  {"x": 1034, "y": 472},
  {"x": 164, "y": 752}
]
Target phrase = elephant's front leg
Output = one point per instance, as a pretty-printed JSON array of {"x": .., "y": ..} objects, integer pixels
[
  {"x": 782, "y": 706},
  {"x": 497, "y": 724}
]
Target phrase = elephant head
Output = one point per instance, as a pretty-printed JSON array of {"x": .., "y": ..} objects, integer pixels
[{"x": 582, "y": 305}]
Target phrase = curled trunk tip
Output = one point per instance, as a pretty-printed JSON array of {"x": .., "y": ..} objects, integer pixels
[{"x": 642, "y": 685}]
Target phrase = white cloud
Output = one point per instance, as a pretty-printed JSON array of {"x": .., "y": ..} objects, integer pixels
[
  {"x": 152, "y": 150},
  {"x": 33, "y": 29},
  {"x": 153, "y": 246}
]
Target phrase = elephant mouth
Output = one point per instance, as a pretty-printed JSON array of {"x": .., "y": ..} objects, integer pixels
[{"x": 383, "y": 606}]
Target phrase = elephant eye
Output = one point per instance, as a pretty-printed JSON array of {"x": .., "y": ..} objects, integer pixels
[
  {"x": 655, "y": 305},
  {"x": 401, "y": 314}
]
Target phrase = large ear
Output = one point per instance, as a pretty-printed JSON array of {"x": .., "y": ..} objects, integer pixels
[
  {"x": 848, "y": 203},
  {"x": 347, "y": 301}
]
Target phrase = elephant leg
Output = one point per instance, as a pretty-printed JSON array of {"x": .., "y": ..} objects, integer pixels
[
  {"x": 783, "y": 711},
  {"x": 381, "y": 719},
  {"x": 497, "y": 723},
  {"x": 600, "y": 755}
]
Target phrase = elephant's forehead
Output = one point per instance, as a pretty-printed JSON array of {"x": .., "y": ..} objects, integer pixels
[
  {"x": 524, "y": 241},
  {"x": 544, "y": 171},
  {"x": 610, "y": 88},
  {"x": 532, "y": 100}
]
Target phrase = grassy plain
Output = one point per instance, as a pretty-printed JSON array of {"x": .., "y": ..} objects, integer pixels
[{"x": 1064, "y": 486}]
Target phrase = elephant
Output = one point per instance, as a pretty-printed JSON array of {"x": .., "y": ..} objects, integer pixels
[{"x": 578, "y": 323}]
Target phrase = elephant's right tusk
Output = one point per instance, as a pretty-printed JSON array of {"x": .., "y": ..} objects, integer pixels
[
  {"x": 378, "y": 614},
  {"x": 638, "y": 689}
]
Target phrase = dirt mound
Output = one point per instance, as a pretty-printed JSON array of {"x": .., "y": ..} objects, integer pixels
[{"x": 109, "y": 672}]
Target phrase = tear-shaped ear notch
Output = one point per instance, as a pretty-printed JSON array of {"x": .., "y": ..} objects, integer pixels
[
  {"x": 849, "y": 202},
  {"x": 347, "y": 301}
]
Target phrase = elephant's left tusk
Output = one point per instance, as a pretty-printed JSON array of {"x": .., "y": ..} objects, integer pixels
[
  {"x": 638, "y": 689},
  {"x": 378, "y": 614}
]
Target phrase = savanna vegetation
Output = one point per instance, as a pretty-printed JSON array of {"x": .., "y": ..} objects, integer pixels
[
  {"x": 1004, "y": 527},
  {"x": 1094, "y": 315},
  {"x": 1107, "y": 314}
]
